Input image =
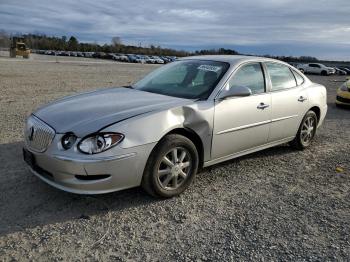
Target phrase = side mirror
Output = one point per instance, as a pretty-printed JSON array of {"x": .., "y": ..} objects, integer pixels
[{"x": 238, "y": 91}]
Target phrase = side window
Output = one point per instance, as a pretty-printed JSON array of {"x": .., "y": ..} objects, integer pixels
[
  {"x": 299, "y": 78},
  {"x": 250, "y": 76},
  {"x": 281, "y": 76}
]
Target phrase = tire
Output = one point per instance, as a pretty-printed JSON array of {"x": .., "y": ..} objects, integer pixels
[
  {"x": 164, "y": 179},
  {"x": 324, "y": 73},
  {"x": 302, "y": 70},
  {"x": 306, "y": 131}
]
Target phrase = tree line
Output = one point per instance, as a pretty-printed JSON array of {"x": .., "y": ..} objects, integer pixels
[{"x": 43, "y": 42}]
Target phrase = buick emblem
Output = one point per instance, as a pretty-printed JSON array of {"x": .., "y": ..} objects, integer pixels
[{"x": 31, "y": 132}]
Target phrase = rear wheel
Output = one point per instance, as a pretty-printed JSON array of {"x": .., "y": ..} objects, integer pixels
[
  {"x": 171, "y": 167},
  {"x": 306, "y": 132}
]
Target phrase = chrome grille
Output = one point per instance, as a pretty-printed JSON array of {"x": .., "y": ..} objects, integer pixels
[{"x": 38, "y": 135}]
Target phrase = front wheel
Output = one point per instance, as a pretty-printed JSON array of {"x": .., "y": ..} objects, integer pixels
[
  {"x": 306, "y": 131},
  {"x": 171, "y": 167}
]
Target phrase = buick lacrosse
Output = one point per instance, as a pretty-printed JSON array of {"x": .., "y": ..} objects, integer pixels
[{"x": 157, "y": 133}]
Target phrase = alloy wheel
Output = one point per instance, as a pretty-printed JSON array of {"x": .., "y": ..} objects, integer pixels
[
  {"x": 174, "y": 168},
  {"x": 308, "y": 130}
]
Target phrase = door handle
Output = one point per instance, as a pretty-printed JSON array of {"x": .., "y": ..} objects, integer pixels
[
  {"x": 262, "y": 106},
  {"x": 302, "y": 99}
]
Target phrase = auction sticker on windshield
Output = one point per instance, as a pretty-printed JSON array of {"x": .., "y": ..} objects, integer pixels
[{"x": 209, "y": 68}]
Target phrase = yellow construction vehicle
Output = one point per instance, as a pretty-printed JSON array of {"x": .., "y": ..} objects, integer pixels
[{"x": 18, "y": 48}]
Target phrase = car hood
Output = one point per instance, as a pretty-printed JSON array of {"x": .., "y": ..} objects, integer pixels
[{"x": 90, "y": 112}]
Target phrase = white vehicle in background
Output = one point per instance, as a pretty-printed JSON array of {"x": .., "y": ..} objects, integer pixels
[
  {"x": 149, "y": 60},
  {"x": 88, "y": 54},
  {"x": 115, "y": 57},
  {"x": 315, "y": 68},
  {"x": 157, "y": 59}
]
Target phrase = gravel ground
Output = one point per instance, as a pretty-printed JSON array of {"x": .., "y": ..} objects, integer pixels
[{"x": 278, "y": 204}]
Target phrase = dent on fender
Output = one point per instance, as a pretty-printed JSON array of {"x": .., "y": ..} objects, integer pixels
[
  {"x": 199, "y": 119},
  {"x": 152, "y": 127}
]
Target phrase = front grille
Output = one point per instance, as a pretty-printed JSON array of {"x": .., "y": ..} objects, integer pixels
[
  {"x": 38, "y": 135},
  {"x": 343, "y": 100}
]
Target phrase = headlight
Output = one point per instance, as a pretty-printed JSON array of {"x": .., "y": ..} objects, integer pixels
[
  {"x": 344, "y": 87},
  {"x": 97, "y": 143}
]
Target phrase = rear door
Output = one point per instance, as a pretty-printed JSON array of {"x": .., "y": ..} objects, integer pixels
[{"x": 289, "y": 101}]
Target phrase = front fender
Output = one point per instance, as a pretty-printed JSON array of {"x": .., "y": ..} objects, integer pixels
[{"x": 152, "y": 127}]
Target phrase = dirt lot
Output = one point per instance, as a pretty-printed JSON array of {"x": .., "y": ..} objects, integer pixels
[{"x": 278, "y": 204}]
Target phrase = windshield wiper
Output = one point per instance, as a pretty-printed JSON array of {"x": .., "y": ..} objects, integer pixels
[{"x": 128, "y": 87}]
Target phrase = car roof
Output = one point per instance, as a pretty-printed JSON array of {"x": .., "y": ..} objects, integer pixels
[{"x": 232, "y": 59}]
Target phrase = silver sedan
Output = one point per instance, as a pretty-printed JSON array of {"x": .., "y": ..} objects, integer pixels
[{"x": 157, "y": 133}]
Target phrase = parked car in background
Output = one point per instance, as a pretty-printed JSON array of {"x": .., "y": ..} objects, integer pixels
[
  {"x": 165, "y": 59},
  {"x": 157, "y": 59},
  {"x": 149, "y": 60},
  {"x": 101, "y": 55},
  {"x": 123, "y": 58},
  {"x": 343, "y": 94},
  {"x": 189, "y": 114},
  {"x": 115, "y": 57},
  {"x": 88, "y": 54},
  {"x": 346, "y": 69},
  {"x": 140, "y": 59},
  {"x": 132, "y": 58},
  {"x": 339, "y": 71},
  {"x": 172, "y": 58},
  {"x": 315, "y": 68}
]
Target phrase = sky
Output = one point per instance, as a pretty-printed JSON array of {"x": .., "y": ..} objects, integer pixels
[{"x": 277, "y": 27}]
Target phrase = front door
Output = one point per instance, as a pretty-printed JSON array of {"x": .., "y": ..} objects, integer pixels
[{"x": 242, "y": 123}]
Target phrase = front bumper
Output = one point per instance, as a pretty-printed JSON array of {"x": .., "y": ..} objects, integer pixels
[
  {"x": 343, "y": 98},
  {"x": 92, "y": 174}
]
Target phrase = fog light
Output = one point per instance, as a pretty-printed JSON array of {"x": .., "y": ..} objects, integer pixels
[{"x": 68, "y": 140}]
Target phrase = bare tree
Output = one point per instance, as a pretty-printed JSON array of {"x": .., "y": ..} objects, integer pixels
[
  {"x": 116, "y": 41},
  {"x": 4, "y": 39}
]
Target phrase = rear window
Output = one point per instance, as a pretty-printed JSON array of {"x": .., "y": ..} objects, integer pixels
[{"x": 281, "y": 76}]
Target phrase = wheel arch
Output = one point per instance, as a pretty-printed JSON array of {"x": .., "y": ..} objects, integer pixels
[{"x": 317, "y": 111}]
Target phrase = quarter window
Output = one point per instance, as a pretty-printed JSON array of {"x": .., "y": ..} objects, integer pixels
[
  {"x": 250, "y": 76},
  {"x": 281, "y": 76},
  {"x": 299, "y": 78}
]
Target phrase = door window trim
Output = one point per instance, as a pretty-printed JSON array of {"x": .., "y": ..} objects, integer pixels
[{"x": 270, "y": 82}]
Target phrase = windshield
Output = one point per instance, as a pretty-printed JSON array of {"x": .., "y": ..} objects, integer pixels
[{"x": 192, "y": 79}]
